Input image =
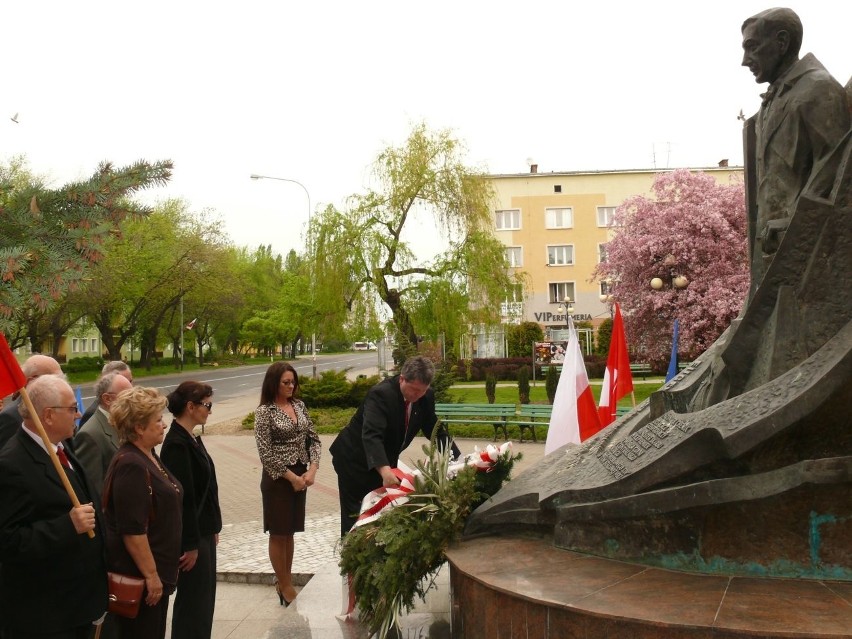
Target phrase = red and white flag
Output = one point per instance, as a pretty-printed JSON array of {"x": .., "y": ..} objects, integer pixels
[
  {"x": 618, "y": 380},
  {"x": 575, "y": 416},
  {"x": 191, "y": 325}
]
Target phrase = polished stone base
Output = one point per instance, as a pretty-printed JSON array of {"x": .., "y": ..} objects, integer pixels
[{"x": 512, "y": 587}]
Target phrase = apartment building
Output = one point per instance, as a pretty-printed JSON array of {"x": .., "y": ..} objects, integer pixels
[{"x": 555, "y": 227}]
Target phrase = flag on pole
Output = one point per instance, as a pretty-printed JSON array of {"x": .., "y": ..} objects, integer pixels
[
  {"x": 78, "y": 394},
  {"x": 12, "y": 378},
  {"x": 574, "y": 417},
  {"x": 618, "y": 380},
  {"x": 191, "y": 325},
  {"x": 673, "y": 361}
]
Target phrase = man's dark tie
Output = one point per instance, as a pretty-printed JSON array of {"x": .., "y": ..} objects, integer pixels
[
  {"x": 63, "y": 458},
  {"x": 407, "y": 412}
]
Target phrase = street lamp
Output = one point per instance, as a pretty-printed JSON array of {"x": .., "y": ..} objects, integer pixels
[
  {"x": 675, "y": 280},
  {"x": 255, "y": 176},
  {"x": 566, "y": 307}
]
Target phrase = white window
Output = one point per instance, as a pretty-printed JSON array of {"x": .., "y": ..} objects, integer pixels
[
  {"x": 559, "y": 291},
  {"x": 515, "y": 256},
  {"x": 601, "y": 252},
  {"x": 606, "y": 288},
  {"x": 93, "y": 346},
  {"x": 605, "y": 215},
  {"x": 508, "y": 219},
  {"x": 83, "y": 343},
  {"x": 560, "y": 255},
  {"x": 74, "y": 345},
  {"x": 558, "y": 218}
]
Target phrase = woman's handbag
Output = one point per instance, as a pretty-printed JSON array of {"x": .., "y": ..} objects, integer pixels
[{"x": 125, "y": 594}]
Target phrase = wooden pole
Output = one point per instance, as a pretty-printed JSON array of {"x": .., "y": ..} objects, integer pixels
[{"x": 52, "y": 453}]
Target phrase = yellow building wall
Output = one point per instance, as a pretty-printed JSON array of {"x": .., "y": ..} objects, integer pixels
[{"x": 532, "y": 194}]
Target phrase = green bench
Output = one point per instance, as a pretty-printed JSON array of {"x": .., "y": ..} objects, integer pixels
[
  {"x": 496, "y": 414},
  {"x": 528, "y": 416},
  {"x": 640, "y": 368}
]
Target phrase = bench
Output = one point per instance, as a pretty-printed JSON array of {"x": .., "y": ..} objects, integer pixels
[
  {"x": 496, "y": 414},
  {"x": 528, "y": 416},
  {"x": 640, "y": 368}
]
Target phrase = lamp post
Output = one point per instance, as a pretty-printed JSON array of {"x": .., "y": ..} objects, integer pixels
[
  {"x": 567, "y": 307},
  {"x": 255, "y": 176}
]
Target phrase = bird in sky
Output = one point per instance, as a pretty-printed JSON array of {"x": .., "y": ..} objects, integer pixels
[
  {"x": 14, "y": 118},
  {"x": 741, "y": 116}
]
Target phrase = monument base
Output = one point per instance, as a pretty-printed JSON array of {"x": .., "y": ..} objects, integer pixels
[{"x": 513, "y": 586}]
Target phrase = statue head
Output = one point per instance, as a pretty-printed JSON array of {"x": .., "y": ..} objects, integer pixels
[{"x": 771, "y": 43}]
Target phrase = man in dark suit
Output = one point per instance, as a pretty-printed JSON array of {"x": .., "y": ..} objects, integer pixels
[
  {"x": 116, "y": 366},
  {"x": 96, "y": 442},
  {"x": 10, "y": 418},
  {"x": 394, "y": 411},
  {"x": 53, "y": 580}
]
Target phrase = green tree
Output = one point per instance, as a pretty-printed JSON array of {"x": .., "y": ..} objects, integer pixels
[
  {"x": 604, "y": 337},
  {"x": 490, "y": 387},
  {"x": 52, "y": 236},
  {"x": 520, "y": 338},
  {"x": 363, "y": 259},
  {"x": 146, "y": 271}
]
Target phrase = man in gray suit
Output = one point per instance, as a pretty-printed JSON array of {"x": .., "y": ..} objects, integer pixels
[
  {"x": 116, "y": 366},
  {"x": 96, "y": 442}
]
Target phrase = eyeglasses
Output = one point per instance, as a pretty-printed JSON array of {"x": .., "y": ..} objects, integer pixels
[
  {"x": 207, "y": 405},
  {"x": 73, "y": 408},
  {"x": 288, "y": 382}
]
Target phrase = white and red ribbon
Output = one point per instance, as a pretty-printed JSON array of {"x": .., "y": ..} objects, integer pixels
[{"x": 380, "y": 499}]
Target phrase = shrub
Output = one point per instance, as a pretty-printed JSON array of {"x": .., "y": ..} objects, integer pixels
[
  {"x": 359, "y": 389},
  {"x": 80, "y": 364},
  {"x": 443, "y": 380},
  {"x": 551, "y": 381},
  {"x": 331, "y": 389},
  {"x": 524, "y": 385},
  {"x": 490, "y": 387}
]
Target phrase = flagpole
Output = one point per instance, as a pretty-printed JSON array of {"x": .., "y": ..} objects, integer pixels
[{"x": 48, "y": 445}]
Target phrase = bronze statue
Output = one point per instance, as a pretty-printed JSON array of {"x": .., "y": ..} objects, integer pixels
[{"x": 743, "y": 462}]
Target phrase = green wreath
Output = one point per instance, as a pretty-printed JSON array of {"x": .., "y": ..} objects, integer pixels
[{"x": 395, "y": 558}]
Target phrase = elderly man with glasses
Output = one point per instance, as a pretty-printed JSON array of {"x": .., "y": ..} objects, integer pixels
[
  {"x": 96, "y": 442},
  {"x": 53, "y": 581}
]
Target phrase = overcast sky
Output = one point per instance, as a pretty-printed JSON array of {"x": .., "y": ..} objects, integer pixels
[{"x": 312, "y": 91}]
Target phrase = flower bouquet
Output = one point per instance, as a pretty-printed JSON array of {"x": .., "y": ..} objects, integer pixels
[{"x": 394, "y": 551}]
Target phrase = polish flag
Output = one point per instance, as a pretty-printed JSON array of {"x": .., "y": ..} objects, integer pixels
[
  {"x": 191, "y": 325},
  {"x": 618, "y": 380},
  {"x": 574, "y": 417}
]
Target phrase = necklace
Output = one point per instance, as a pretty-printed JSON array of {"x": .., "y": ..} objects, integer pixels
[{"x": 164, "y": 473}]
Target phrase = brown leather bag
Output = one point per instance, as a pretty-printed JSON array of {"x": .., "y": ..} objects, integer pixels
[{"x": 125, "y": 594}]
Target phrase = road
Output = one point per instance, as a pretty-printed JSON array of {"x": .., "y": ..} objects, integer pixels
[{"x": 233, "y": 387}]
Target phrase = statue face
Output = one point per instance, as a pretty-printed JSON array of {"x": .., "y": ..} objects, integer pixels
[{"x": 763, "y": 52}]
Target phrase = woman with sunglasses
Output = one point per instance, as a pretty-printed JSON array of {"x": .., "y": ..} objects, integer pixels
[
  {"x": 185, "y": 455},
  {"x": 289, "y": 450}
]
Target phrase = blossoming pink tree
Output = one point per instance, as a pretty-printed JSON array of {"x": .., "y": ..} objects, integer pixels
[{"x": 692, "y": 227}]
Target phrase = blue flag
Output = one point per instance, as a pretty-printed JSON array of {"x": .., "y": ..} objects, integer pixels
[
  {"x": 80, "y": 407},
  {"x": 673, "y": 361}
]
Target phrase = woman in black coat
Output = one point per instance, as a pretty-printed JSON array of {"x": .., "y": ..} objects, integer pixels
[{"x": 185, "y": 455}]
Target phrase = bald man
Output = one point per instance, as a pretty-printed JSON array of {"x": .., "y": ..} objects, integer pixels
[{"x": 10, "y": 418}]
